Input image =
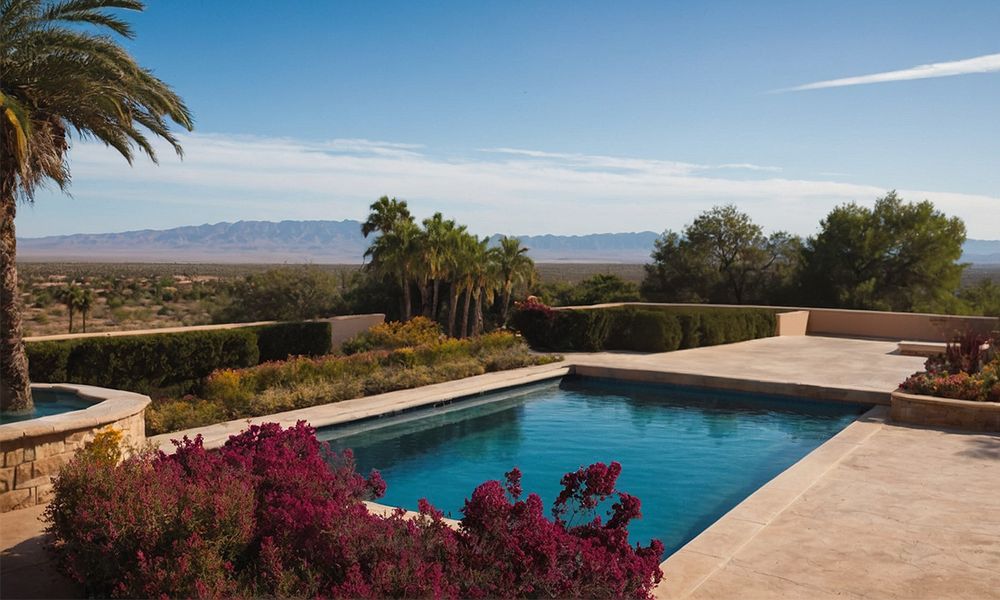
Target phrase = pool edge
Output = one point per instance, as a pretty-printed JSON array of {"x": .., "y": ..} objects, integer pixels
[{"x": 712, "y": 549}]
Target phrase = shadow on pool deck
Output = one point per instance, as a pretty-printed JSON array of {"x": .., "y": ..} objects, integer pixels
[{"x": 25, "y": 568}]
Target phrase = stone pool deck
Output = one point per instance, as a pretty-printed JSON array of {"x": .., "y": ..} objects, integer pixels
[{"x": 879, "y": 511}]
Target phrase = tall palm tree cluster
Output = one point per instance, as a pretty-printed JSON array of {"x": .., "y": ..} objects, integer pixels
[
  {"x": 444, "y": 272},
  {"x": 62, "y": 73}
]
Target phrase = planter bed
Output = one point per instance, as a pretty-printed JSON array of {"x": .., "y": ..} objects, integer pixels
[{"x": 933, "y": 411}]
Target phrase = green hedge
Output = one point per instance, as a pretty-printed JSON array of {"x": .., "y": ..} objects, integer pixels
[
  {"x": 171, "y": 363},
  {"x": 643, "y": 328},
  {"x": 281, "y": 340}
]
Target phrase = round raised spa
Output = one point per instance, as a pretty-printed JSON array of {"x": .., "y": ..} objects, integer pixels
[{"x": 67, "y": 416}]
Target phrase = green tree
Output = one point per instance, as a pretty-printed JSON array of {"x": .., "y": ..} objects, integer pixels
[
  {"x": 435, "y": 246},
  {"x": 894, "y": 256},
  {"x": 603, "y": 288},
  {"x": 982, "y": 298},
  {"x": 723, "y": 257},
  {"x": 384, "y": 214},
  {"x": 282, "y": 294},
  {"x": 62, "y": 72},
  {"x": 395, "y": 255},
  {"x": 514, "y": 268},
  {"x": 70, "y": 296},
  {"x": 84, "y": 302}
]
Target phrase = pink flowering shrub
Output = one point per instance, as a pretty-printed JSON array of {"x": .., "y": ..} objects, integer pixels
[
  {"x": 267, "y": 515},
  {"x": 968, "y": 370}
]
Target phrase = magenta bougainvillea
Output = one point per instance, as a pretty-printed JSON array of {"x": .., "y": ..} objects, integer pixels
[{"x": 267, "y": 515}]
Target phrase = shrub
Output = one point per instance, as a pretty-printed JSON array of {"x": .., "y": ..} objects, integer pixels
[
  {"x": 298, "y": 382},
  {"x": 395, "y": 334},
  {"x": 305, "y": 338},
  {"x": 966, "y": 371},
  {"x": 149, "y": 363},
  {"x": 644, "y": 329},
  {"x": 47, "y": 360},
  {"x": 274, "y": 513}
]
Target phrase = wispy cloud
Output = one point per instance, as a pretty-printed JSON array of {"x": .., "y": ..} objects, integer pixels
[
  {"x": 505, "y": 189},
  {"x": 989, "y": 63}
]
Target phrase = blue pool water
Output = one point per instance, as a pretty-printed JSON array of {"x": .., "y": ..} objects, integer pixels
[
  {"x": 689, "y": 454},
  {"x": 48, "y": 402}
]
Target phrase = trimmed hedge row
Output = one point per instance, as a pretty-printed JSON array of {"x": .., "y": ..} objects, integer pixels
[
  {"x": 172, "y": 363},
  {"x": 642, "y": 329}
]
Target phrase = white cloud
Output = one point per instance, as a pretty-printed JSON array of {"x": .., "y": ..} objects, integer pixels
[
  {"x": 505, "y": 190},
  {"x": 989, "y": 63}
]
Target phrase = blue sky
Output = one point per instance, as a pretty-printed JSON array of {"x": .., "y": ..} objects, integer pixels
[{"x": 560, "y": 117}]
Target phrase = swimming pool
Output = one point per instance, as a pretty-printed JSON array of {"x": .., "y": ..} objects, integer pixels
[{"x": 689, "y": 454}]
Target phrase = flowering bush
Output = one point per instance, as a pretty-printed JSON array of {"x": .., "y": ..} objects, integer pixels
[
  {"x": 417, "y": 331},
  {"x": 968, "y": 370},
  {"x": 275, "y": 513}
]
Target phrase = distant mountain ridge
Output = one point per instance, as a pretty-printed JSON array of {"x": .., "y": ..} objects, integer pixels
[
  {"x": 296, "y": 242},
  {"x": 332, "y": 242}
]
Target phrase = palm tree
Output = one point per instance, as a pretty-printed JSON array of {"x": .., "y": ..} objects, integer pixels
[
  {"x": 395, "y": 255},
  {"x": 61, "y": 72},
  {"x": 476, "y": 275},
  {"x": 385, "y": 214},
  {"x": 70, "y": 296},
  {"x": 438, "y": 232},
  {"x": 460, "y": 248},
  {"x": 514, "y": 267},
  {"x": 84, "y": 302}
]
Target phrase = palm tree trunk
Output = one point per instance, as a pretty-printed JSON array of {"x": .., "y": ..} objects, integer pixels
[
  {"x": 83, "y": 315},
  {"x": 407, "y": 301},
  {"x": 477, "y": 318},
  {"x": 71, "y": 318},
  {"x": 505, "y": 300},
  {"x": 434, "y": 305},
  {"x": 465, "y": 311},
  {"x": 15, "y": 388},
  {"x": 425, "y": 298},
  {"x": 453, "y": 291}
]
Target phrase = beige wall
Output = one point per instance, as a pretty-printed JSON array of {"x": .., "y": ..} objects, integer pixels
[
  {"x": 795, "y": 322},
  {"x": 348, "y": 326}
]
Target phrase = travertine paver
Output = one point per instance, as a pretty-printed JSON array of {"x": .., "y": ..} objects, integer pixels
[
  {"x": 909, "y": 513},
  {"x": 874, "y": 365}
]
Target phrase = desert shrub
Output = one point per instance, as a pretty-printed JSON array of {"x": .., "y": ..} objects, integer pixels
[
  {"x": 395, "y": 334},
  {"x": 274, "y": 513},
  {"x": 281, "y": 340}
]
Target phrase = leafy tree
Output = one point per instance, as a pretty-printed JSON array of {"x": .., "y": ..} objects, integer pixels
[
  {"x": 893, "y": 256},
  {"x": 723, "y": 257},
  {"x": 283, "y": 294},
  {"x": 62, "y": 72},
  {"x": 603, "y": 288},
  {"x": 983, "y": 298}
]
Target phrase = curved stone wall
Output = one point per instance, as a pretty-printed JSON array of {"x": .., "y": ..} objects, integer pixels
[{"x": 33, "y": 451}]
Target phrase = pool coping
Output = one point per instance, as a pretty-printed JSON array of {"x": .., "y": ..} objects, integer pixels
[{"x": 712, "y": 549}]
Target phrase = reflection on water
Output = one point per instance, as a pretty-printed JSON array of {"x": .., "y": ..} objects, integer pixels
[{"x": 689, "y": 454}]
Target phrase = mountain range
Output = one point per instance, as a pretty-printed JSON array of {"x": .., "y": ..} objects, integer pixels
[{"x": 332, "y": 242}]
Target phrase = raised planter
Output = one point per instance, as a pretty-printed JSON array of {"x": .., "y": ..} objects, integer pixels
[
  {"x": 34, "y": 451},
  {"x": 932, "y": 411}
]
